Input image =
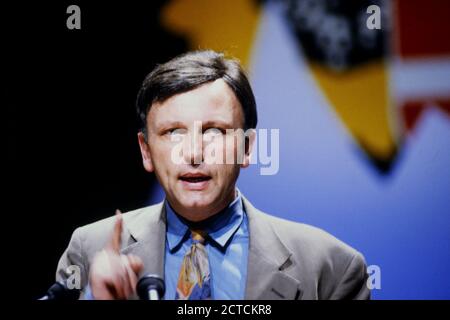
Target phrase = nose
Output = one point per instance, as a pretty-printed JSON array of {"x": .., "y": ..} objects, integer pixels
[{"x": 193, "y": 149}]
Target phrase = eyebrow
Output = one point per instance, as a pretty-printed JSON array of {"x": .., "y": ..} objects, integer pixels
[
  {"x": 209, "y": 123},
  {"x": 170, "y": 124},
  {"x": 216, "y": 124}
]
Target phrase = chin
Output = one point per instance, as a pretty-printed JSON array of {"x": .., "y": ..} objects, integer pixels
[{"x": 197, "y": 201}]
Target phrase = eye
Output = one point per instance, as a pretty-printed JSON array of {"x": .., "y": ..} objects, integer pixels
[
  {"x": 213, "y": 132},
  {"x": 175, "y": 132}
]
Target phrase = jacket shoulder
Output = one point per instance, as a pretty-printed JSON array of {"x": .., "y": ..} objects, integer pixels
[
  {"x": 307, "y": 238},
  {"x": 310, "y": 235},
  {"x": 328, "y": 267}
]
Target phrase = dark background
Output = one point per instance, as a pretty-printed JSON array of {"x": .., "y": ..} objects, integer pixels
[{"x": 72, "y": 125}]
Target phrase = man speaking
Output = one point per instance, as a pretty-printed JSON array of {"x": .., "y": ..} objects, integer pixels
[{"x": 206, "y": 240}]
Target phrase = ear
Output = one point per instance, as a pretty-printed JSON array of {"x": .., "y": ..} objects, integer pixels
[
  {"x": 249, "y": 142},
  {"x": 145, "y": 152}
]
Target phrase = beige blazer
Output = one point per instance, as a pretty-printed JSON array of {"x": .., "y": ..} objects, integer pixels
[{"x": 287, "y": 260}]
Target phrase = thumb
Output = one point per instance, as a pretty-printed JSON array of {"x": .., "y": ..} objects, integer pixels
[{"x": 135, "y": 263}]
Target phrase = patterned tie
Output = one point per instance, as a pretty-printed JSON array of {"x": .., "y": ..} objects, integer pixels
[{"x": 194, "y": 278}]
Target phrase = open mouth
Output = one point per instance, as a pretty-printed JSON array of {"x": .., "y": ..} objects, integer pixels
[
  {"x": 195, "y": 178},
  {"x": 195, "y": 181}
]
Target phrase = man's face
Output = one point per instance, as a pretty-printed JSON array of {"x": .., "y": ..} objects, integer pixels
[{"x": 200, "y": 186}]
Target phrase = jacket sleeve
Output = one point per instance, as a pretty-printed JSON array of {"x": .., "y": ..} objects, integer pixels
[
  {"x": 353, "y": 283},
  {"x": 72, "y": 267}
]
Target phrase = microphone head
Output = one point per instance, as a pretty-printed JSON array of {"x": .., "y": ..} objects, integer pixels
[
  {"x": 59, "y": 291},
  {"x": 150, "y": 282}
]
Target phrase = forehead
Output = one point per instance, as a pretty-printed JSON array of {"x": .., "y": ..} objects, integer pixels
[{"x": 213, "y": 101}]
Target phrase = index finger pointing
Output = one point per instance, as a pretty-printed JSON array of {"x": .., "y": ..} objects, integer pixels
[{"x": 114, "y": 243}]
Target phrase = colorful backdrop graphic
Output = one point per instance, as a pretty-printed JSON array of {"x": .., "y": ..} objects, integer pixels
[{"x": 363, "y": 118}]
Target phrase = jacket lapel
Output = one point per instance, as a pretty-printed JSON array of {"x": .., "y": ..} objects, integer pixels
[
  {"x": 149, "y": 232},
  {"x": 268, "y": 261}
]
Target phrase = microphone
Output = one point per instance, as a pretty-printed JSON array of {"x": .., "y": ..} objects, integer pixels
[
  {"x": 151, "y": 287},
  {"x": 58, "y": 291}
]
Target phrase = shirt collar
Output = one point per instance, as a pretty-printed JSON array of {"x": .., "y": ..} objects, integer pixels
[{"x": 220, "y": 227}]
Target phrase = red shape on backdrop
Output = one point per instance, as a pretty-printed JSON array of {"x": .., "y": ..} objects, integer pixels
[
  {"x": 412, "y": 110},
  {"x": 422, "y": 28}
]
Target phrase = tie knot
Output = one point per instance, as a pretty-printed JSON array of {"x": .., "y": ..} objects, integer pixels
[{"x": 198, "y": 236}]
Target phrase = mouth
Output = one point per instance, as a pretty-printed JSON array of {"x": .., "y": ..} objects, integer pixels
[{"x": 195, "y": 181}]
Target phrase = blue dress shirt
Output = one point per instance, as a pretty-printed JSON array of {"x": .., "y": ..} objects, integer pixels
[{"x": 227, "y": 248}]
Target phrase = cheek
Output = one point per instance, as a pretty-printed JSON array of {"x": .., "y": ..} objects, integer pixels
[
  {"x": 162, "y": 147},
  {"x": 226, "y": 173},
  {"x": 161, "y": 155}
]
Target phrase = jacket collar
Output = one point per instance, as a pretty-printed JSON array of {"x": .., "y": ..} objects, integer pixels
[{"x": 220, "y": 228}]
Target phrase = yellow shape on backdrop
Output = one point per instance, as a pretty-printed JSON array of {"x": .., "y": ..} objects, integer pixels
[
  {"x": 227, "y": 26},
  {"x": 360, "y": 98}
]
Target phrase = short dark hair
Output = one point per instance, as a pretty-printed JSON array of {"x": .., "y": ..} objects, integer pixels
[{"x": 190, "y": 70}]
